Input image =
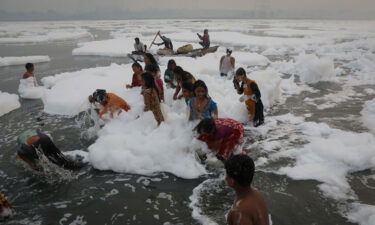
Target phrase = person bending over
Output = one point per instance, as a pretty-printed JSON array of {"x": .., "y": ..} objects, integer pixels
[
  {"x": 249, "y": 207},
  {"x": 34, "y": 142},
  {"x": 222, "y": 136},
  {"x": 110, "y": 102}
]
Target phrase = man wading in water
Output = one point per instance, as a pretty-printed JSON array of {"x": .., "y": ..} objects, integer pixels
[{"x": 249, "y": 207}]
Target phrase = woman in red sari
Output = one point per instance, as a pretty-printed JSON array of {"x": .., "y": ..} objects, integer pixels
[{"x": 221, "y": 135}]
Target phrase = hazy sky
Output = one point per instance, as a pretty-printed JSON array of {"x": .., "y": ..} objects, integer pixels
[{"x": 73, "y": 6}]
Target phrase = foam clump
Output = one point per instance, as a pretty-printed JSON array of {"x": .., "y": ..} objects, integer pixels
[
  {"x": 368, "y": 115},
  {"x": 8, "y": 61},
  {"x": 28, "y": 90},
  {"x": 339, "y": 152},
  {"x": 8, "y": 102},
  {"x": 312, "y": 69}
]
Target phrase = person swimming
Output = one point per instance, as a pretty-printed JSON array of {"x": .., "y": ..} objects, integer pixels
[{"x": 33, "y": 142}]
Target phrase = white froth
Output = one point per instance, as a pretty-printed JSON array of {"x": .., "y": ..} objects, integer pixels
[
  {"x": 8, "y": 102},
  {"x": 312, "y": 69},
  {"x": 8, "y": 61},
  {"x": 362, "y": 214},
  {"x": 339, "y": 152},
  {"x": 28, "y": 90},
  {"x": 368, "y": 115}
]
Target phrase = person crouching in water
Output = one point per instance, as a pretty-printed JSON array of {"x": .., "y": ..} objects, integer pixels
[
  {"x": 34, "y": 142},
  {"x": 151, "y": 97},
  {"x": 222, "y": 136},
  {"x": 110, "y": 102},
  {"x": 249, "y": 207},
  {"x": 251, "y": 96}
]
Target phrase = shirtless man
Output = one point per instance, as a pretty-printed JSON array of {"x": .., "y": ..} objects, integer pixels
[
  {"x": 249, "y": 207},
  {"x": 30, "y": 73}
]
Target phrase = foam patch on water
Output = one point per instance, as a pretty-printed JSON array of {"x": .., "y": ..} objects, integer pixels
[
  {"x": 21, "y": 60},
  {"x": 368, "y": 115},
  {"x": 18, "y": 33},
  {"x": 312, "y": 69},
  {"x": 329, "y": 149},
  {"x": 8, "y": 102},
  {"x": 362, "y": 214},
  {"x": 28, "y": 90}
]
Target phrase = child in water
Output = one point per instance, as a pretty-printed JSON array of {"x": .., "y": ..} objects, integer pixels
[{"x": 201, "y": 105}]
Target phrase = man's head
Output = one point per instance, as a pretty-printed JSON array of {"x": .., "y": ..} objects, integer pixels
[
  {"x": 229, "y": 52},
  {"x": 240, "y": 171},
  {"x": 205, "y": 31},
  {"x": 29, "y": 67},
  {"x": 136, "y": 40}
]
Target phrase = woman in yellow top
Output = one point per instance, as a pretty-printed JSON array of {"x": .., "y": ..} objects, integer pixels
[{"x": 251, "y": 96}]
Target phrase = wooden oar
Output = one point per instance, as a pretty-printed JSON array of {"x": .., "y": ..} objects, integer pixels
[{"x": 154, "y": 39}]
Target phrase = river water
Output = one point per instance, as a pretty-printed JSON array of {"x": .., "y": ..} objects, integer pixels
[{"x": 91, "y": 196}]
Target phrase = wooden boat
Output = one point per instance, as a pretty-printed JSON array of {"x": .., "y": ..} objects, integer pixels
[{"x": 194, "y": 53}]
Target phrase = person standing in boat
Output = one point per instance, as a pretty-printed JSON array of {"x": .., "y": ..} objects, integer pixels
[
  {"x": 166, "y": 42},
  {"x": 139, "y": 47},
  {"x": 205, "y": 39},
  {"x": 227, "y": 63}
]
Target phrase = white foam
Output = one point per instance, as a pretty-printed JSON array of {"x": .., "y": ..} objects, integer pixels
[
  {"x": 362, "y": 214},
  {"x": 339, "y": 152},
  {"x": 28, "y": 90},
  {"x": 312, "y": 69},
  {"x": 8, "y": 61},
  {"x": 368, "y": 115},
  {"x": 8, "y": 102},
  {"x": 17, "y": 33}
]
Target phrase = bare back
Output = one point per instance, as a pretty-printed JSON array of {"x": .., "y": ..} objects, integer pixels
[
  {"x": 249, "y": 210},
  {"x": 27, "y": 75}
]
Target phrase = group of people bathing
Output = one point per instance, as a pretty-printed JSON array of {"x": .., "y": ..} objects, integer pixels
[
  {"x": 140, "y": 48},
  {"x": 222, "y": 135}
]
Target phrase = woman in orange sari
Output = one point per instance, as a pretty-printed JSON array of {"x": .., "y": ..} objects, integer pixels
[{"x": 251, "y": 96}]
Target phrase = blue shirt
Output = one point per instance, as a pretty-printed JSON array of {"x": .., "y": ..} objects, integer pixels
[{"x": 209, "y": 108}]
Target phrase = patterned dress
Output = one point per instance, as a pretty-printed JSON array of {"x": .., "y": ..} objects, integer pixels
[
  {"x": 229, "y": 132},
  {"x": 152, "y": 103}
]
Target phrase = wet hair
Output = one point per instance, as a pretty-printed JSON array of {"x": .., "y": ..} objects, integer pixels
[
  {"x": 137, "y": 65},
  {"x": 241, "y": 169},
  {"x": 241, "y": 71},
  {"x": 137, "y": 39},
  {"x": 188, "y": 86},
  {"x": 171, "y": 62},
  {"x": 206, "y": 125},
  {"x": 178, "y": 70},
  {"x": 239, "y": 87},
  {"x": 151, "y": 68},
  {"x": 28, "y": 66},
  {"x": 200, "y": 83},
  {"x": 229, "y": 51},
  {"x": 152, "y": 59},
  {"x": 100, "y": 95},
  {"x": 149, "y": 82}
]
